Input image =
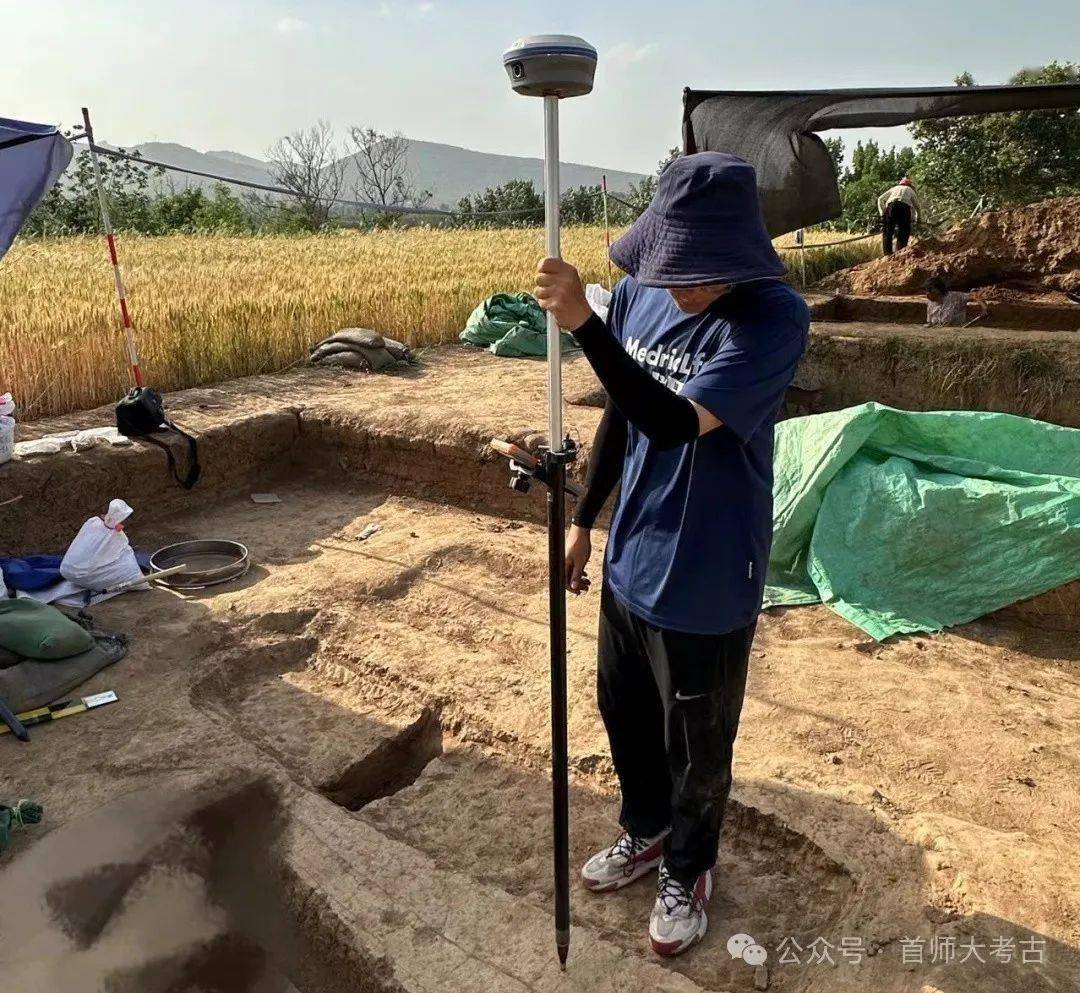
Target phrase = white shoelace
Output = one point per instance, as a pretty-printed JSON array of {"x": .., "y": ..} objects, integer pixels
[
  {"x": 676, "y": 899},
  {"x": 629, "y": 847}
]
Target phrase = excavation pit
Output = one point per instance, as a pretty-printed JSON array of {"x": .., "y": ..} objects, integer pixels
[{"x": 390, "y": 696}]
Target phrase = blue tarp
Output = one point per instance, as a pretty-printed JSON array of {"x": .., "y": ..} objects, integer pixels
[{"x": 32, "y": 156}]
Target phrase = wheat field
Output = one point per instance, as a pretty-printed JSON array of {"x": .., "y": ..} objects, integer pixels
[{"x": 209, "y": 308}]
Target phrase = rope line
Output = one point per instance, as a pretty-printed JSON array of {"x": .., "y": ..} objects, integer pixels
[{"x": 830, "y": 244}]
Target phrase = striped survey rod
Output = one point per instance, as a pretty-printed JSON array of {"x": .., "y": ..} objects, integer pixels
[
  {"x": 110, "y": 240},
  {"x": 607, "y": 229}
]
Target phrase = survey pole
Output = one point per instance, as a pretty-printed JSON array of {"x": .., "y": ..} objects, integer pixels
[
  {"x": 556, "y": 505},
  {"x": 110, "y": 241},
  {"x": 554, "y": 67},
  {"x": 607, "y": 229}
]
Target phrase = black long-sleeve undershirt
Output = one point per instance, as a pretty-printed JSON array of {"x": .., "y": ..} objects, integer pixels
[
  {"x": 664, "y": 417},
  {"x": 605, "y": 466}
]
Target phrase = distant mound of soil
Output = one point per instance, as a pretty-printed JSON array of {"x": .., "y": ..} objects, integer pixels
[{"x": 1033, "y": 251}]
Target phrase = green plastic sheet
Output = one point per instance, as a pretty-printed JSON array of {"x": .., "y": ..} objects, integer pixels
[
  {"x": 511, "y": 324},
  {"x": 906, "y": 521}
]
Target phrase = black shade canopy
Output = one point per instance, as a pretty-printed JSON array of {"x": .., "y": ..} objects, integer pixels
[{"x": 775, "y": 131}]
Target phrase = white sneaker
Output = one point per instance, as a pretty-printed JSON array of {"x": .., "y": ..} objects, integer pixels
[
  {"x": 678, "y": 918},
  {"x": 628, "y": 859}
]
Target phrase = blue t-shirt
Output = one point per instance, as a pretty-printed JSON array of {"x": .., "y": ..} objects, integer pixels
[{"x": 689, "y": 540}]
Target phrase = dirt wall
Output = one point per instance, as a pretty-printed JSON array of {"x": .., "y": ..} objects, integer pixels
[
  {"x": 55, "y": 494},
  {"x": 1034, "y": 374},
  {"x": 1028, "y": 315}
]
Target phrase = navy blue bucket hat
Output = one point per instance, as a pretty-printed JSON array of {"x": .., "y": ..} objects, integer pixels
[{"x": 703, "y": 226}]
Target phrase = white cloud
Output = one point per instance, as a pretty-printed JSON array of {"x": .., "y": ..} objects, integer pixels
[
  {"x": 287, "y": 25},
  {"x": 626, "y": 53},
  {"x": 412, "y": 11}
]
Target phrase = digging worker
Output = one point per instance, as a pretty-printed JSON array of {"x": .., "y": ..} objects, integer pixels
[
  {"x": 701, "y": 341},
  {"x": 898, "y": 207},
  {"x": 946, "y": 307}
]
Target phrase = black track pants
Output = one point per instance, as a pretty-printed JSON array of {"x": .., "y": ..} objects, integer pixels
[
  {"x": 671, "y": 703},
  {"x": 896, "y": 223}
]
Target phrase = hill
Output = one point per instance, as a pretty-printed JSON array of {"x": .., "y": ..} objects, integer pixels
[{"x": 448, "y": 171}]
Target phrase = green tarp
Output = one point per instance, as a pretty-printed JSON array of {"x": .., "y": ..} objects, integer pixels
[
  {"x": 511, "y": 324},
  {"x": 906, "y": 521}
]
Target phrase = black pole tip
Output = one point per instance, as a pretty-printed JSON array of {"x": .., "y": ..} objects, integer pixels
[{"x": 563, "y": 948}]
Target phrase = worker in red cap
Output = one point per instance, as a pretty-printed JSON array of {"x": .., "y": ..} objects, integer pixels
[{"x": 899, "y": 210}]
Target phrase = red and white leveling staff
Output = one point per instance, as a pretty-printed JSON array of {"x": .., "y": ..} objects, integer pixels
[
  {"x": 607, "y": 230},
  {"x": 106, "y": 224}
]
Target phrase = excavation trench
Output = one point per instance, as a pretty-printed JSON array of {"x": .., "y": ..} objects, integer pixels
[
  {"x": 403, "y": 679},
  {"x": 388, "y": 695}
]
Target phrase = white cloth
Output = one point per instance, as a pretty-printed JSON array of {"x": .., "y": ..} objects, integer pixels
[
  {"x": 599, "y": 299},
  {"x": 68, "y": 593},
  {"x": 50, "y": 444}
]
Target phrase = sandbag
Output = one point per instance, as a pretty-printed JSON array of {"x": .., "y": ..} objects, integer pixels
[
  {"x": 361, "y": 337},
  {"x": 100, "y": 557},
  {"x": 33, "y": 683},
  {"x": 351, "y": 360},
  {"x": 352, "y": 357},
  {"x": 368, "y": 350},
  {"x": 35, "y": 630}
]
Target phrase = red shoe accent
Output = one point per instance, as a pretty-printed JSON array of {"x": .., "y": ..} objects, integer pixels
[
  {"x": 668, "y": 948},
  {"x": 704, "y": 886}
]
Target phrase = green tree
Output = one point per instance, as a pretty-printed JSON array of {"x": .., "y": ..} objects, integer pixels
[
  {"x": 514, "y": 204},
  {"x": 223, "y": 213},
  {"x": 1000, "y": 159},
  {"x": 582, "y": 205},
  {"x": 835, "y": 147},
  {"x": 872, "y": 171},
  {"x": 71, "y": 206},
  {"x": 177, "y": 211}
]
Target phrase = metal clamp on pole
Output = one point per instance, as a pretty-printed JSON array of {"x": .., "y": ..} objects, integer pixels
[
  {"x": 525, "y": 467},
  {"x": 554, "y": 66}
]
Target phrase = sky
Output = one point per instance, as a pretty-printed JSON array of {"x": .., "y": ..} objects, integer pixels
[{"x": 220, "y": 74}]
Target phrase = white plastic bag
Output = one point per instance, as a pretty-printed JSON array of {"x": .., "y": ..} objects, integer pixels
[
  {"x": 598, "y": 298},
  {"x": 7, "y": 427},
  {"x": 101, "y": 557}
]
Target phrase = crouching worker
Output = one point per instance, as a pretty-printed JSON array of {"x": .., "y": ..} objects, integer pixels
[
  {"x": 702, "y": 340},
  {"x": 949, "y": 308}
]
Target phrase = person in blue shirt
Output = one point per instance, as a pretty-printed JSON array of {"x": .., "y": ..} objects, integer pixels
[{"x": 702, "y": 339}]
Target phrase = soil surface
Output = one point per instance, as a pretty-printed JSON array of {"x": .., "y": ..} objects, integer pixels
[
  {"x": 332, "y": 774},
  {"x": 1021, "y": 253}
]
